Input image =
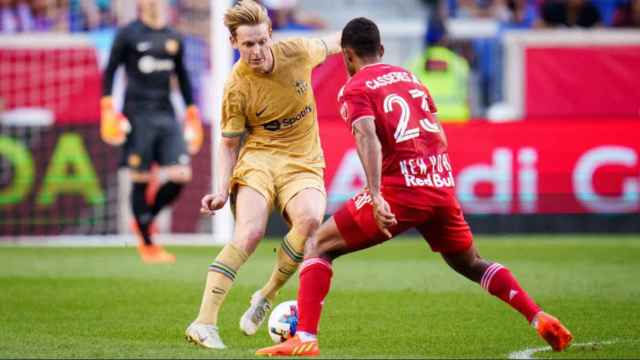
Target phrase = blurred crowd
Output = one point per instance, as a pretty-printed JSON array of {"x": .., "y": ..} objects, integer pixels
[
  {"x": 448, "y": 65},
  {"x": 31, "y": 15},
  {"x": 88, "y": 15},
  {"x": 58, "y": 15},
  {"x": 546, "y": 13}
]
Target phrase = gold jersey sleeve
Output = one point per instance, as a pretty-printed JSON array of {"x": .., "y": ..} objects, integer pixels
[
  {"x": 315, "y": 50},
  {"x": 233, "y": 118},
  {"x": 277, "y": 110}
]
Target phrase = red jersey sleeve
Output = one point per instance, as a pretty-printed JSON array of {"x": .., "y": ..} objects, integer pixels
[{"x": 356, "y": 105}]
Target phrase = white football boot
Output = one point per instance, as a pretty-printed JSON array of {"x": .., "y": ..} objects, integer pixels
[
  {"x": 204, "y": 335},
  {"x": 255, "y": 314}
]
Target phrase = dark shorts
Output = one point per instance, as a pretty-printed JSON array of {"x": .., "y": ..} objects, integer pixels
[
  {"x": 442, "y": 225},
  {"x": 155, "y": 137}
]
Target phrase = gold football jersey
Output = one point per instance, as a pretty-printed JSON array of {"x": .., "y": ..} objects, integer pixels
[{"x": 277, "y": 110}]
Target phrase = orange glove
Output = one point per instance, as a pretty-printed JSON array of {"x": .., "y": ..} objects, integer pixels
[
  {"x": 193, "y": 133},
  {"x": 114, "y": 127}
]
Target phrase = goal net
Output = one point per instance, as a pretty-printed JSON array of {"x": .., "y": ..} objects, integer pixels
[
  {"x": 55, "y": 172},
  {"x": 58, "y": 180}
]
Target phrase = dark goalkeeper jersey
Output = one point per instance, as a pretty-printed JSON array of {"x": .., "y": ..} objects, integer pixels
[{"x": 150, "y": 58}]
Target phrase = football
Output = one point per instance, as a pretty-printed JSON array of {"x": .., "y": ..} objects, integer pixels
[{"x": 283, "y": 321}]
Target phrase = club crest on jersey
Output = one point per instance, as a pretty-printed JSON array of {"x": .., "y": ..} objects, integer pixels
[
  {"x": 344, "y": 111},
  {"x": 134, "y": 160},
  {"x": 171, "y": 46},
  {"x": 301, "y": 87}
]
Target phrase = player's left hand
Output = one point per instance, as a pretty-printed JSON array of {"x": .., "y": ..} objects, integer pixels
[
  {"x": 383, "y": 215},
  {"x": 193, "y": 133},
  {"x": 211, "y": 203}
]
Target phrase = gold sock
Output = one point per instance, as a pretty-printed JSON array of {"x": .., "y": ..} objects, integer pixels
[
  {"x": 222, "y": 273},
  {"x": 289, "y": 255}
]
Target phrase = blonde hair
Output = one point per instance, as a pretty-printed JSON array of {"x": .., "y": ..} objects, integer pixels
[{"x": 245, "y": 12}]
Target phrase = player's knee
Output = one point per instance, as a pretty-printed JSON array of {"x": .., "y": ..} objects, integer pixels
[
  {"x": 248, "y": 237},
  {"x": 182, "y": 179},
  {"x": 306, "y": 225},
  {"x": 180, "y": 174},
  {"x": 140, "y": 176}
]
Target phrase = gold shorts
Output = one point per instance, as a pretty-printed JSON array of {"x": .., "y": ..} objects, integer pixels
[{"x": 277, "y": 178}]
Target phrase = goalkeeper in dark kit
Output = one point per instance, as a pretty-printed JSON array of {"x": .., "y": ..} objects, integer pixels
[{"x": 151, "y": 53}]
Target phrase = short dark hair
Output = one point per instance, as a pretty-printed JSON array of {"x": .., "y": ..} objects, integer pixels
[{"x": 361, "y": 35}]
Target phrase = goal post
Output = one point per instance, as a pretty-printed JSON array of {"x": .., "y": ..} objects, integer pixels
[{"x": 221, "y": 64}]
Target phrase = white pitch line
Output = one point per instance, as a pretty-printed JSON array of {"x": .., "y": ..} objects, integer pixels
[{"x": 527, "y": 354}]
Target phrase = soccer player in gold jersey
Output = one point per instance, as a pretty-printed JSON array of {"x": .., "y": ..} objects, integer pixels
[{"x": 268, "y": 97}]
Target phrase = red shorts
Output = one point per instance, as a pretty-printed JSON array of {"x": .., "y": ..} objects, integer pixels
[{"x": 442, "y": 225}]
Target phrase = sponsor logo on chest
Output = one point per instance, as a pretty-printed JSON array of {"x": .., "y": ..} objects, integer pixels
[
  {"x": 286, "y": 123},
  {"x": 149, "y": 64}
]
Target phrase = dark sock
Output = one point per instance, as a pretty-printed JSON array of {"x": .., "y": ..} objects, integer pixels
[
  {"x": 165, "y": 196},
  {"x": 141, "y": 211}
]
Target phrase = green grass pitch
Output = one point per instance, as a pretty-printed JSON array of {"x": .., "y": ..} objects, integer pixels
[{"x": 398, "y": 300}]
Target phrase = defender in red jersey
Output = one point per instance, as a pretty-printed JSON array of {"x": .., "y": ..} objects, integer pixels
[
  {"x": 416, "y": 178},
  {"x": 403, "y": 150}
]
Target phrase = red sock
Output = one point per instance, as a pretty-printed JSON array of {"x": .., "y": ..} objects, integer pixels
[
  {"x": 315, "y": 281},
  {"x": 499, "y": 281}
]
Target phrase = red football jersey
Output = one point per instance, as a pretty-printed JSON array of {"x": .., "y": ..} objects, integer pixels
[{"x": 413, "y": 153}]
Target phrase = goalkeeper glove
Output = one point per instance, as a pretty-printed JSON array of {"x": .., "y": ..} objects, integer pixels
[
  {"x": 114, "y": 127},
  {"x": 193, "y": 133}
]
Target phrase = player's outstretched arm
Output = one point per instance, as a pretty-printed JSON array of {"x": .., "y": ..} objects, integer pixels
[
  {"x": 116, "y": 56},
  {"x": 333, "y": 43},
  {"x": 226, "y": 161},
  {"x": 183, "y": 76},
  {"x": 370, "y": 152},
  {"x": 193, "y": 131},
  {"x": 113, "y": 126}
]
